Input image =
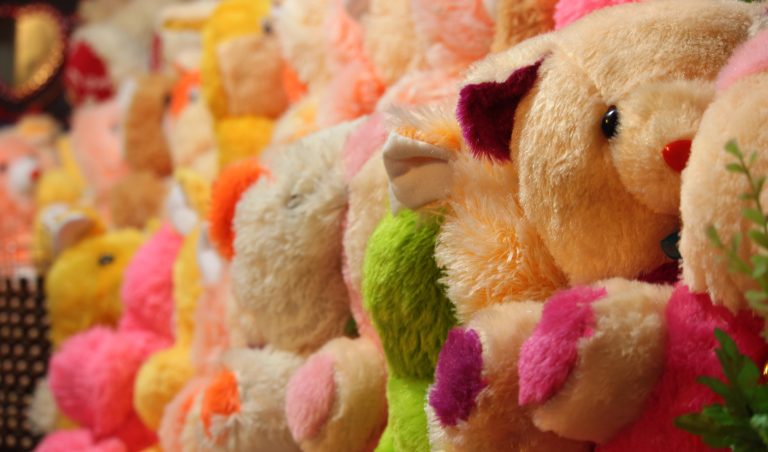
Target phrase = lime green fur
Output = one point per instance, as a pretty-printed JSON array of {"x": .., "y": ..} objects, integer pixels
[{"x": 412, "y": 316}]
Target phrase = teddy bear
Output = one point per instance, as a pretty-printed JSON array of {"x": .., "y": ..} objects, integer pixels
[
  {"x": 165, "y": 372},
  {"x": 91, "y": 386},
  {"x": 242, "y": 76},
  {"x": 539, "y": 243},
  {"x": 676, "y": 324},
  {"x": 112, "y": 46}
]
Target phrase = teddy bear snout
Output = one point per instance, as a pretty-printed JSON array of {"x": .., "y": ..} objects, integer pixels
[{"x": 676, "y": 154}]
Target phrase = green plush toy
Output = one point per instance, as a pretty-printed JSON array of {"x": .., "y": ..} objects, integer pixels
[{"x": 412, "y": 316}]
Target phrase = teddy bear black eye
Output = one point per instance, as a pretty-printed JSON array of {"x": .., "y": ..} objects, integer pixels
[
  {"x": 106, "y": 259},
  {"x": 294, "y": 201},
  {"x": 610, "y": 122},
  {"x": 266, "y": 27}
]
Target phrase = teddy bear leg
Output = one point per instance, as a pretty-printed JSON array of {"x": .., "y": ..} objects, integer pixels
[
  {"x": 336, "y": 400},
  {"x": 242, "y": 408},
  {"x": 473, "y": 403}
]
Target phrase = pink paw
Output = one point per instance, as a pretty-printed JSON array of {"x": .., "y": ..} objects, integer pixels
[
  {"x": 549, "y": 355},
  {"x": 310, "y": 396},
  {"x": 458, "y": 377}
]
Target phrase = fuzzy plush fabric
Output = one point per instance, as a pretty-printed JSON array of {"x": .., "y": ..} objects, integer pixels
[
  {"x": 80, "y": 440},
  {"x": 74, "y": 303},
  {"x": 136, "y": 199},
  {"x": 147, "y": 290},
  {"x": 501, "y": 330},
  {"x": 314, "y": 382},
  {"x": 608, "y": 360},
  {"x": 567, "y": 318},
  {"x": 518, "y": 20},
  {"x": 480, "y": 102},
  {"x": 691, "y": 320},
  {"x": 89, "y": 385},
  {"x": 275, "y": 218},
  {"x": 145, "y": 145},
  {"x": 392, "y": 53},
  {"x": 736, "y": 114},
  {"x": 412, "y": 318},
  {"x": 571, "y": 10},
  {"x": 750, "y": 58},
  {"x": 86, "y": 76},
  {"x": 227, "y": 190},
  {"x": 459, "y": 372},
  {"x": 242, "y": 77}
]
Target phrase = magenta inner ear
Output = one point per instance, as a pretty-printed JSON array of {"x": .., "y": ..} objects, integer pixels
[{"x": 486, "y": 112}]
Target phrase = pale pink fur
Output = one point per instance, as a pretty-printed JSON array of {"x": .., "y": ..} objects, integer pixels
[
  {"x": 355, "y": 87},
  {"x": 308, "y": 405},
  {"x": 750, "y": 58},
  {"x": 362, "y": 143}
]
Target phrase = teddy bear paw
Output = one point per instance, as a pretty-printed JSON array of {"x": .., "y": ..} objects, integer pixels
[
  {"x": 458, "y": 377},
  {"x": 310, "y": 397}
]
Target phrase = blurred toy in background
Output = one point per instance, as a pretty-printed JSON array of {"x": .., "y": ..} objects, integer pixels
[
  {"x": 112, "y": 46},
  {"x": 93, "y": 373},
  {"x": 166, "y": 371},
  {"x": 179, "y": 35},
  {"x": 242, "y": 75},
  {"x": 138, "y": 196}
]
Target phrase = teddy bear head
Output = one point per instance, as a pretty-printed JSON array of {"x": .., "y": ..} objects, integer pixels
[
  {"x": 81, "y": 246},
  {"x": 287, "y": 228},
  {"x": 578, "y": 151},
  {"x": 599, "y": 135},
  {"x": 711, "y": 194}
]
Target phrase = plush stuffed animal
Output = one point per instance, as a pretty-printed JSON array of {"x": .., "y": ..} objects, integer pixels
[
  {"x": 21, "y": 166},
  {"x": 290, "y": 296},
  {"x": 96, "y": 146},
  {"x": 190, "y": 128},
  {"x": 336, "y": 400},
  {"x": 137, "y": 197},
  {"x": 539, "y": 236},
  {"x": 179, "y": 29},
  {"x": 674, "y": 326},
  {"x": 242, "y": 77},
  {"x": 92, "y": 374},
  {"x": 166, "y": 371},
  {"x": 110, "y": 49}
]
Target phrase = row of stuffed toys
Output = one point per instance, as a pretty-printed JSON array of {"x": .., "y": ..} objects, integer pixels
[{"x": 392, "y": 225}]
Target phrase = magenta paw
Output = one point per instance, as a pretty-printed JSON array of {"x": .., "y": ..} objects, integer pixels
[
  {"x": 458, "y": 377},
  {"x": 549, "y": 355}
]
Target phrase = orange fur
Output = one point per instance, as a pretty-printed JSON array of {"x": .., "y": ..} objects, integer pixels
[
  {"x": 230, "y": 185},
  {"x": 220, "y": 398}
]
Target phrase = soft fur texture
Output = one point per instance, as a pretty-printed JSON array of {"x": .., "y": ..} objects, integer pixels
[
  {"x": 81, "y": 440},
  {"x": 290, "y": 296},
  {"x": 74, "y": 303},
  {"x": 354, "y": 413},
  {"x": 135, "y": 199},
  {"x": 577, "y": 190},
  {"x": 242, "y": 77},
  {"x": 412, "y": 317},
  {"x": 669, "y": 353},
  {"x": 89, "y": 385}
]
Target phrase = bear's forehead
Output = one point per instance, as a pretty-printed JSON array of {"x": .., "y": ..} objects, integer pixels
[{"x": 622, "y": 47}]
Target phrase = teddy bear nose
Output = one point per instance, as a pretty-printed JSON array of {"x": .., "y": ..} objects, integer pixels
[{"x": 676, "y": 154}]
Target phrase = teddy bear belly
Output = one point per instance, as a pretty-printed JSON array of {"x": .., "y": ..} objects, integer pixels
[{"x": 691, "y": 321}]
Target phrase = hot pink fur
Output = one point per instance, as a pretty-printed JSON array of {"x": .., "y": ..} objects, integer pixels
[
  {"x": 549, "y": 355},
  {"x": 78, "y": 440},
  {"x": 567, "y": 11},
  {"x": 691, "y": 321},
  {"x": 312, "y": 382},
  {"x": 92, "y": 376},
  {"x": 750, "y": 58}
]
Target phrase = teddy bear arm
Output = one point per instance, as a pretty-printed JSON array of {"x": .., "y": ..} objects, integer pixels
[{"x": 618, "y": 319}]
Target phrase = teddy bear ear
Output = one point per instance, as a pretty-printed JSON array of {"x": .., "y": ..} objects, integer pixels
[
  {"x": 486, "y": 112},
  {"x": 419, "y": 172},
  {"x": 227, "y": 190},
  {"x": 65, "y": 227}
]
